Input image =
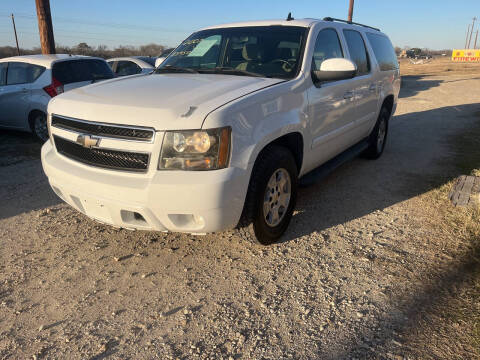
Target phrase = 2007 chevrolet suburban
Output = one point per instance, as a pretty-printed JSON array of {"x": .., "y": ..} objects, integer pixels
[{"x": 220, "y": 134}]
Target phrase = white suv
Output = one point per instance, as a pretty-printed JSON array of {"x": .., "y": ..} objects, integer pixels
[
  {"x": 27, "y": 83},
  {"x": 218, "y": 137}
]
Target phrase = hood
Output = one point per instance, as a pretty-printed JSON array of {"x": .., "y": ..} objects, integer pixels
[{"x": 161, "y": 101}]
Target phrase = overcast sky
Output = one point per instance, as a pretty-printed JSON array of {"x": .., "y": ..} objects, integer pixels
[{"x": 435, "y": 24}]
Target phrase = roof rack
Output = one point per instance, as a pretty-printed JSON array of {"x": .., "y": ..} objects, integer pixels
[{"x": 349, "y": 22}]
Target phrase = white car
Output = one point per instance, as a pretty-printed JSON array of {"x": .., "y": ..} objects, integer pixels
[
  {"x": 162, "y": 57},
  {"x": 27, "y": 83},
  {"x": 123, "y": 66},
  {"x": 219, "y": 136}
]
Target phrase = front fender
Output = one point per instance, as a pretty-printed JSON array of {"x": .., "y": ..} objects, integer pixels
[{"x": 260, "y": 118}]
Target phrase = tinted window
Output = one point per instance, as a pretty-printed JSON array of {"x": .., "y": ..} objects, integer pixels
[
  {"x": 327, "y": 46},
  {"x": 81, "y": 70},
  {"x": 383, "y": 50},
  {"x": 358, "y": 52},
  {"x": 148, "y": 59},
  {"x": 166, "y": 52},
  {"x": 110, "y": 63},
  {"x": 269, "y": 51},
  {"x": 127, "y": 68},
  {"x": 23, "y": 73},
  {"x": 3, "y": 73}
]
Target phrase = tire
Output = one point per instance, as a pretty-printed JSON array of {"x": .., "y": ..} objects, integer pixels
[
  {"x": 39, "y": 126},
  {"x": 271, "y": 197},
  {"x": 378, "y": 136}
]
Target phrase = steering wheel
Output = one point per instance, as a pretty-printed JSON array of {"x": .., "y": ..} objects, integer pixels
[{"x": 286, "y": 66}]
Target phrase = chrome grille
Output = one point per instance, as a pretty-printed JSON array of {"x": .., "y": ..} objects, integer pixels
[
  {"x": 102, "y": 129},
  {"x": 104, "y": 158}
]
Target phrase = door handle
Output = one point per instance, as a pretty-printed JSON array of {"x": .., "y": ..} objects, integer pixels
[
  {"x": 348, "y": 95},
  {"x": 372, "y": 87},
  {"x": 24, "y": 90}
]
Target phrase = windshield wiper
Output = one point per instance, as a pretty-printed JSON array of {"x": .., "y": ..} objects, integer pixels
[
  {"x": 175, "y": 69},
  {"x": 231, "y": 71}
]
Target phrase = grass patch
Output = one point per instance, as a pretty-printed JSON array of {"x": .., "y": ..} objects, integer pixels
[
  {"x": 463, "y": 224},
  {"x": 466, "y": 147}
]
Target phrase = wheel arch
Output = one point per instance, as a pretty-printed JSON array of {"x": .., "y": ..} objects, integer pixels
[
  {"x": 293, "y": 142},
  {"x": 388, "y": 102},
  {"x": 31, "y": 116}
]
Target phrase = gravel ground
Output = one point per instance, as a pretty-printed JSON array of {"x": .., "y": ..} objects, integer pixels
[{"x": 350, "y": 279}]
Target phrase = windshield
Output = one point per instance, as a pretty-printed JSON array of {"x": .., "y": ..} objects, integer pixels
[{"x": 267, "y": 51}]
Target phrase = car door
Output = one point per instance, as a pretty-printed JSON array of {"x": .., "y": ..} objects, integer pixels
[
  {"x": 331, "y": 104},
  {"x": 14, "y": 95},
  {"x": 365, "y": 84}
]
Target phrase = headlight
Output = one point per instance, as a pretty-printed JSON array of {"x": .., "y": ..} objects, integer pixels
[{"x": 195, "y": 149}]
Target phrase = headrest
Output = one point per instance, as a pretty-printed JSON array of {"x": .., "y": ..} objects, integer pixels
[
  {"x": 284, "y": 53},
  {"x": 251, "y": 52}
]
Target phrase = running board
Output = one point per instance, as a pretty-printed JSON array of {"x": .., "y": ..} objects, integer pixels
[{"x": 324, "y": 170}]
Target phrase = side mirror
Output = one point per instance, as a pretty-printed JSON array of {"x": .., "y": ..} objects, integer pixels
[{"x": 334, "y": 70}]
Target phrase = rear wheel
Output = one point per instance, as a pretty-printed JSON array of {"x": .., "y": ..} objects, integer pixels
[
  {"x": 378, "y": 137},
  {"x": 39, "y": 126},
  {"x": 271, "y": 197}
]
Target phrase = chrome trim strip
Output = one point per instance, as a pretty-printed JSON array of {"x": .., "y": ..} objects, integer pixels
[
  {"x": 152, "y": 140},
  {"x": 149, "y": 155},
  {"x": 100, "y": 137}
]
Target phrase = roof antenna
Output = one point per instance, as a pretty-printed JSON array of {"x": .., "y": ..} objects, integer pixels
[{"x": 290, "y": 17}]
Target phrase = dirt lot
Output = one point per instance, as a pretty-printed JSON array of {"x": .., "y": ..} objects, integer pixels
[{"x": 371, "y": 266}]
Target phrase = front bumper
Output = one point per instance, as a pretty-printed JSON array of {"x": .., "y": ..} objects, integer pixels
[{"x": 177, "y": 201}]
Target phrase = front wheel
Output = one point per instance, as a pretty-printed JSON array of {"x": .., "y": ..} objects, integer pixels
[
  {"x": 378, "y": 137},
  {"x": 39, "y": 126},
  {"x": 271, "y": 197}
]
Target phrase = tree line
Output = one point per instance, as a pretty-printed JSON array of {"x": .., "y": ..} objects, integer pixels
[
  {"x": 143, "y": 50},
  {"x": 84, "y": 49},
  {"x": 424, "y": 51}
]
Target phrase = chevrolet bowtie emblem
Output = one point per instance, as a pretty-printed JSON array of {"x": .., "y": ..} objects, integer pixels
[{"x": 87, "y": 141}]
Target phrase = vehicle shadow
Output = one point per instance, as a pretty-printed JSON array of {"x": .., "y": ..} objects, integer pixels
[
  {"x": 23, "y": 185},
  {"x": 16, "y": 146},
  {"x": 412, "y": 164},
  {"x": 415, "y": 84},
  {"x": 412, "y": 85}
]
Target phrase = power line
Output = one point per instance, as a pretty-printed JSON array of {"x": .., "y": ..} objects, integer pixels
[
  {"x": 471, "y": 32},
  {"x": 80, "y": 39},
  {"x": 114, "y": 25},
  {"x": 61, "y": 31}
]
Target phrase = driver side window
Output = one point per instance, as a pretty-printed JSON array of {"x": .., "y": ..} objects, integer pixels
[{"x": 327, "y": 46}]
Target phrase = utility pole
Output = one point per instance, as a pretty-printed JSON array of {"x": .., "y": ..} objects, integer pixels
[
  {"x": 45, "y": 27},
  {"x": 350, "y": 11},
  {"x": 471, "y": 32},
  {"x": 466, "y": 39},
  {"x": 16, "y": 38}
]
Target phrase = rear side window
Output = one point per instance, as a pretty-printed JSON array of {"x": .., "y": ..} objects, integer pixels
[
  {"x": 148, "y": 60},
  {"x": 3, "y": 73},
  {"x": 383, "y": 50},
  {"x": 358, "y": 52},
  {"x": 327, "y": 46},
  {"x": 72, "y": 71},
  {"x": 127, "y": 68},
  {"x": 23, "y": 73}
]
